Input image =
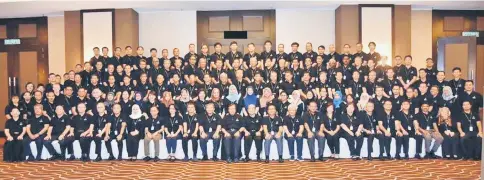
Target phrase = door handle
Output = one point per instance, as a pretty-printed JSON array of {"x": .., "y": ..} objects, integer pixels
[{"x": 9, "y": 81}]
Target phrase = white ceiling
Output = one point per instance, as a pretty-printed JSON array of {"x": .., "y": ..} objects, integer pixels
[{"x": 29, "y": 8}]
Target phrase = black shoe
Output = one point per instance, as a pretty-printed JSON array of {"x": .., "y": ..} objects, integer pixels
[
  {"x": 98, "y": 158},
  {"x": 229, "y": 160},
  {"x": 389, "y": 157},
  {"x": 397, "y": 157},
  {"x": 381, "y": 157},
  {"x": 111, "y": 157},
  {"x": 71, "y": 158},
  {"x": 406, "y": 157},
  {"x": 156, "y": 159},
  {"x": 259, "y": 159},
  {"x": 205, "y": 158},
  {"x": 417, "y": 156},
  {"x": 321, "y": 158},
  {"x": 215, "y": 159},
  {"x": 147, "y": 158},
  {"x": 281, "y": 160},
  {"x": 247, "y": 159},
  {"x": 120, "y": 158},
  {"x": 369, "y": 158},
  {"x": 267, "y": 160},
  {"x": 312, "y": 159},
  {"x": 62, "y": 157}
]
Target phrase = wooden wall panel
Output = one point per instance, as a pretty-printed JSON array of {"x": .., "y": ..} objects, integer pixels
[
  {"x": 219, "y": 23},
  {"x": 253, "y": 23},
  {"x": 73, "y": 38},
  {"x": 480, "y": 23},
  {"x": 27, "y": 30},
  {"x": 479, "y": 81},
  {"x": 258, "y": 37},
  {"x": 402, "y": 28},
  {"x": 453, "y": 23},
  {"x": 28, "y": 68},
  {"x": 4, "y": 84},
  {"x": 455, "y": 56},
  {"x": 3, "y": 31},
  {"x": 347, "y": 22},
  {"x": 126, "y": 31}
]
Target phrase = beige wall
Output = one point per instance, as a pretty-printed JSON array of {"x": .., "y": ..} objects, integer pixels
[
  {"x": 421, "y": 36},
  {"x": 57, "y": 63}
]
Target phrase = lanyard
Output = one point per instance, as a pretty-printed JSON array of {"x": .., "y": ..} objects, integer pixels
[
  {"x": 468, "y": 118},
  {"x": 293, "y": 123},
  {"x": 313, "y": 117},
  {"x": 172, "y": 121},
  {"x": 210, "y": 120},
  {"x": 370, "y": 119},
  {"x": 116, "y": 122},
  {"x": 99, "y": 121},
  {"x": 388, "y": 120},
  {"x": 190, "y": 120},
  {"x": 272, "y": 122},
  {"x": 153, "y": 122}
]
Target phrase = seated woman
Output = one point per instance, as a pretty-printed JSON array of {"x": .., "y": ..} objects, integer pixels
[
  {"x": 14, "y": 131},
  {"x": 250, "y": 98},
  {"x": 331, "y": 130},
  {"x": 135, "y": 131},
  {"x": 265, "y": 100},
  {"x": 352, "y": 128},
  {"x": 449, "y": 132},
  {"x": 233, "y": 97}
]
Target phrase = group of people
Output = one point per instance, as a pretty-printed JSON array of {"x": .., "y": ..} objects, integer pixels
[{"x": 260, "y": 98}]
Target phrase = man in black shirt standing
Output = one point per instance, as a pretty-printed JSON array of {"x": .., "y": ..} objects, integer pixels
[
  {"x": 295, "y": 54},
  {"x": 470, "y": 130},
  {"x": 37, "y": 126}
]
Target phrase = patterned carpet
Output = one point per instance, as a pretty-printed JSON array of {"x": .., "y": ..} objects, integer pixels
[{"x": 333, "y": 169}]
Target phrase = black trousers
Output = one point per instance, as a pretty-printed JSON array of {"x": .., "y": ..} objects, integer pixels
[
  {"x": 352, "y": 141},
  {"x": 333, "y": 142},
  {"x": 39, "y": 143},
  {"x": 99, "y": 142},
  {"x": 120, "y": 145},
  {"x": 132, "y": 144},
  {"x": 85, "y": 143},
  {"x": 471, "y": 145},
  {"x": 449, "y": 145},
  {"x": 194, "y": 145},
  {"x": 369, "y": 140},
  {"x": 64, "y": 144},
  {"x": 248, "y": 143},
  {"x": 13, "y": 150},
  {"x": 384, "y": 142}
]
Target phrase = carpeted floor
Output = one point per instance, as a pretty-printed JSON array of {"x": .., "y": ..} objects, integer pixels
[{"x": 333, "y": 169}]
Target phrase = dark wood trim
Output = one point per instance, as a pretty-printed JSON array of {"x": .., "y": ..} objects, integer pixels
[
  {"x": 472, "y": 52},
  {"x": 361, "y": 6},
  {"x": 112, "y": 24}
]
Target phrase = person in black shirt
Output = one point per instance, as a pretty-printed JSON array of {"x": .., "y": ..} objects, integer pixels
[
  {"x": 408, "y": 74},
  {"x": 457, "y": 83},
  {"x": 373, "y": 54},
  {"x": 14, "y": 131},
  {"x": 470, "y": 130},
  {"x": 386, "y": 128},
  {"x": 136, "y": 127},
  {"x": 293, "y": 131},
  {"x": 370, "y": 127},
  {"x": 310, "y": 53},
  {"x": 405, "y": 130},
  {"x": 191, "y": 52},
  {"x": 210, "y": 128},
  {"x": 288, "y": 85},
  {"x": 272, "y": 125},
  {"x": 232, "y": 126},
  {"x": 59, "y": 130},
  {"x": 424, "y": 126},
  {"x": 101, "y": 130},
  {"x": 233, "y": 54},
  {"x": 37, "y": 126},
  {"x": 268, "y": 53},
  {"x": 251, "y": 54},
  {"x": 153, "y": 130},
  {"x": 331, "y": 130},
  {"x": 118, "y": 130},
  {"x": 314, "y": 127},
  {"x": 295, "y": 54},
  {"x": 82, "y": 125},
  {"x": 352, "y": 131},
  {"x": 472, "y": 96},
  {"x": 252, "y": 132},
  {"x": 190, "y": 130},
  {"x": 449, "y": 132}
]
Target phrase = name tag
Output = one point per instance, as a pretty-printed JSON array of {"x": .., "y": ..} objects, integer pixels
[
  {"x": 388, "y": 129},
  {"x": 188, "y": 131},
  {"x": 272, "y": 133},
  {"x": 314, "y": 129},
  {"x": 293, "y": 132},
  {"x": 373, "y": 131},
  {"x": 152, "y": 128},
  {"x": 409, "y": 128},
  {"x": 390, "y": 93},
  {"x": 209, "y": 129},
  {"x": 351, "y": 127},
  {"x": 99, "y": 131},
  {"x": 344, "y": 77},
  {"x": 116, "y": 133},
  {"x": 471, "y": 128},
  {"x": 172, "y": 133},
  {"x": 428, "y": 128}
]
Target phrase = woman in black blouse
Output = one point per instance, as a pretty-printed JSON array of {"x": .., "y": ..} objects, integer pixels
[
  {"x": 331, "y": 131},
  {"x": 135, "y": 131},
  {"x": 352, "y": 128},
  {"x": 449, "y": 132},
  {"x": 173, "y": 131}
]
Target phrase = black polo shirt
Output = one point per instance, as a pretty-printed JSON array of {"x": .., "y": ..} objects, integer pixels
[
  {"x": 288, "y": 87},
  {"x": 232, "y": 122},
  {"x": 468, "y": 122},
  {"x": 100, "y": 122},
  {"x": 474, "y": 97},
  {"x": 37, "y": 123},
  {"x": 15, "y": 127},
  {"x": 252, "y": 124},
  {"x": 191, "y": 122},
  {"x": 406, "y": 120},
  {"x": 154, "y": 124},
  {"x": 425, "y": 120},
  {"x": 272, "y": 124},
  {"x": 293, "y": 123},
  {"x": 209, "y": 123},
  {"x": 407, "y": 74},
  {"x": 59, "y": 124},
  {"x": 388, "y": 120},
  {"x": 352, "y": 122},
  {"x": 369, "y": 121},
  {"x": 82, "y": 123},
  {"x": 116, "y": 123}
]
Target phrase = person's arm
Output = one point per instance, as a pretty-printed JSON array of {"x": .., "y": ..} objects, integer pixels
[
  {"x": 185, "y": 129},
  {"x": 479, "y": 127},
  {"x": 180, "y": 127},
  {"x": 44, "y": 130},
  {"x": 29, "y": 132},
  {"x": 123, "y": 128},
  {"x": 49, "y": 132},
  {"x": 195, "y": 132},
  {"x": 345, "y": 128},
  {"x": 381, "y": 128},
  {"x": 459, "y": 128},
  {"x": 7, "y": 134},
  {"x": 418, "y": 130},
  {"x": 286, "y": 130}
]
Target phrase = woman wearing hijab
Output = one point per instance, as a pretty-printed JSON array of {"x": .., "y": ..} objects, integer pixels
[
  {"x": 233, "y": 97},
  {"x": 339, "y": 106},
  {"x": 364, "y": 99},
  {"x": 182, "y": 101},
  {"x": 138, "y": 99},
  {"x": 109, "y": 102},
  {"x": 450, "y": 101},
  {"x": 135, "y": 131},
  {"x": 296, "y": 101},
  {"x": 250, "y": 98},
  {"x": 266, "y": 100}
]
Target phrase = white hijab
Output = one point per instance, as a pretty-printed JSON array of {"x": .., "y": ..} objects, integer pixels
[{"x": 135, "y": 112}]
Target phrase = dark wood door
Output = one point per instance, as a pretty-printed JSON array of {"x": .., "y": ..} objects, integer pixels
[{"x": 22, "y": 62}]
